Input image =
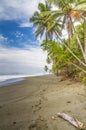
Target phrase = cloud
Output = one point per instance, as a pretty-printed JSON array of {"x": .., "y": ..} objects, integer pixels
[
  {"x": 26, "y": 24},
  {"x": 18, "y": 10},
  {"x": 18, "y": 34},
  {"x": 2, "y": 38},
  {"x": 14, "y": 60}
]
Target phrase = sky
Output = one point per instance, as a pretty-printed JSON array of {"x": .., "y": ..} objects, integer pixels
[{"x": 20, "y": 51}]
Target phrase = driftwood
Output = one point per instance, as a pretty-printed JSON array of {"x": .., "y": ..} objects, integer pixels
[{"x": 72, "y": 120}]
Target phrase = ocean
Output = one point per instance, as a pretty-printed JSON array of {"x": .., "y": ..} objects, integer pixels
[{"x": 11, "y": 79}]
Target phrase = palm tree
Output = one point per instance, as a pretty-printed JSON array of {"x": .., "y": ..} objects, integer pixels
[
  {"x": 67, "y": 11},
  {"x": 48, "y": 21},
  {"x": 45, "y": 23},
  {"x": 39, "y": 20}
]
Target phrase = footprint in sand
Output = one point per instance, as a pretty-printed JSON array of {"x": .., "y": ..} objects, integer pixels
[
  {"x": 0, "y": 106},
  {"x": 32, "y": 126},
  {"x": 68, "y": 101},
  {"x": 42, "y": 95},
  {"x": 37, "y": 106},
  {"x": 14, "y": 122},
  {"x": 39, "y": 124}
]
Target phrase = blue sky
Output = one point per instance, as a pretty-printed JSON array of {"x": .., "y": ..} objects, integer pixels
[{"x": 20, "y": 51}]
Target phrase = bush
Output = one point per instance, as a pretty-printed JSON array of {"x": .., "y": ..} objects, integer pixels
[{"x": 84, "y": 81}]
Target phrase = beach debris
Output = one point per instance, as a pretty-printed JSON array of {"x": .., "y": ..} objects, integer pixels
[
  {"x": 54, "y": 117},
  {"x": 72, "y": 120}
]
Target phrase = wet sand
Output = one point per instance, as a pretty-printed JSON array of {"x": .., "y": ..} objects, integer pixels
[{"x": 30, "y": 104}]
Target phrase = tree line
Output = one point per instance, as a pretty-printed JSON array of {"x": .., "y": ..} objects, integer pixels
[{"x": 66, "y": 53}]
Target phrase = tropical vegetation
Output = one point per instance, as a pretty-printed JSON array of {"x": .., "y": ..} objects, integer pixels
[{"x": 66, "y": 53}]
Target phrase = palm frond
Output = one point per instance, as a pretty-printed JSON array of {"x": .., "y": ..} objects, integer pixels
[
  {"x": 79, "y": 2},
  {"x": 81, "y": 5}
]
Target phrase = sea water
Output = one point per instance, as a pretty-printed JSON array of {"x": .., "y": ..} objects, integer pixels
[{"x": 11, "y": 79}]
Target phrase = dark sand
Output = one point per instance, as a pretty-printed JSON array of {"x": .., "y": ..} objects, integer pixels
[{"x": 30, "y": 104}]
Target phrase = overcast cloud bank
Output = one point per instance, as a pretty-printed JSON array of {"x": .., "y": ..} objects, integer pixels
[
  {"x": 14, "y": 60},
  {"x": 30, "y": 59}
]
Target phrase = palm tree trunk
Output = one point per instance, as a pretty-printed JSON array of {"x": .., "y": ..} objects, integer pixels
[
  {"x": 69, "y": 39},
  {"x": 78, "y": 67},
  {"x": 85, "y": 36},
  {"x": 69, "y": 30},
  {"x": 82, "y": 50},
  {"x": 77, "y": 38}
]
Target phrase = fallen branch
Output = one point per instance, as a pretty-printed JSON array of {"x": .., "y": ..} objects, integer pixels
[{"x": 72, "y": 120}]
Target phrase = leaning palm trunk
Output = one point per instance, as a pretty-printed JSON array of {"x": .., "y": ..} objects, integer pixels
[
  {"x": 78, "y": 41},
  {"x": 85, "y": 36},
  {"x": 82, "y": 50},
  {"x": 69, "y": 50},
  {"x": 78, "y": 67}
]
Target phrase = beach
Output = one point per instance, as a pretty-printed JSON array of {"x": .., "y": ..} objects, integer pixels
[{"x": 31, "y": 103}]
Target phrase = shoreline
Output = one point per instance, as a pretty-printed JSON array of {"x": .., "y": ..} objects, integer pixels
[
  {"x": 11, "y": 82},
  {"x": 14, "y": 79},
  {"x": 30, "y": 104}
]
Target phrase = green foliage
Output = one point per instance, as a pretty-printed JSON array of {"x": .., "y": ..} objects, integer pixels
[
  {"x": 60, "y": 57},
  {"x": 66, "y": 55},
  {"x": 56, "y": 53},
  {"x": 46, "y": 68},
  {"x": 84, "y": 81}
]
